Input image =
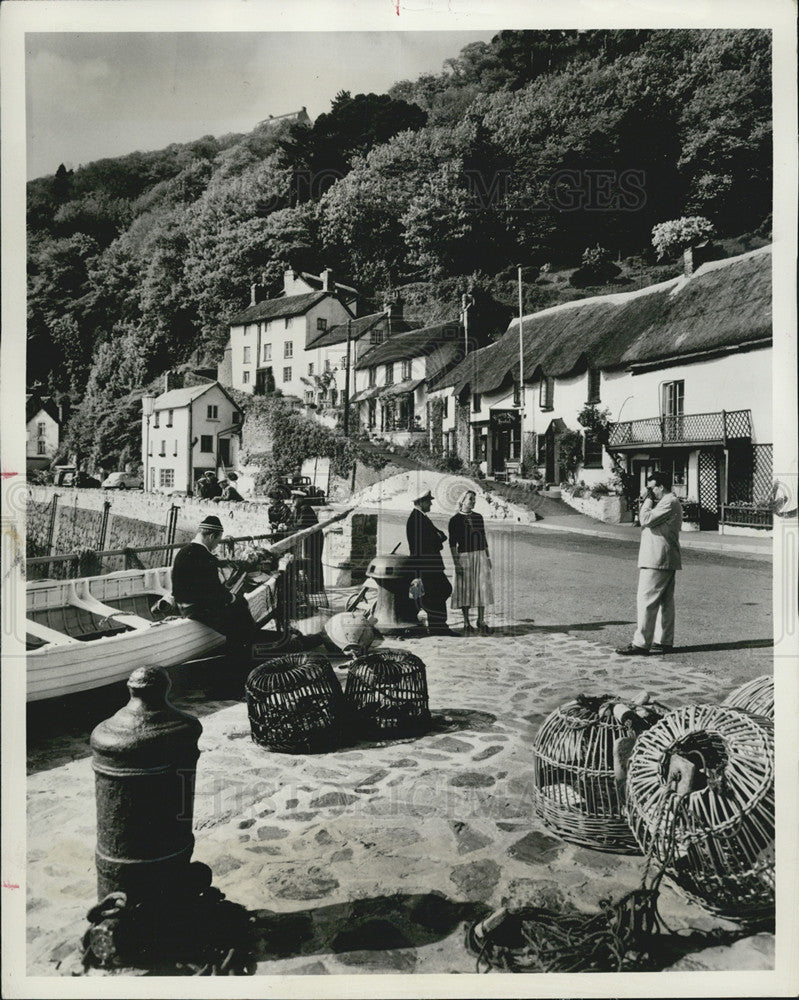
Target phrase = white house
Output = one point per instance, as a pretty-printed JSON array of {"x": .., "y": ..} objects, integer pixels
[
  {"x": 682, "y": 368},
  {"x": 391, "y": 379},
  {"x": 43, "y": 422},
  {"x": 268, "y": 339},
  {"x": 190, "y": 431}
]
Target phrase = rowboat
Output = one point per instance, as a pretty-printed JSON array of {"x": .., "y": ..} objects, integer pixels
[{"x": 93, "y": 631}]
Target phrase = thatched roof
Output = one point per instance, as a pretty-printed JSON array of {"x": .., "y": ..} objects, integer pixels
[
  {"x": 415, "y": 344},
  {"x": 725, "y": 303}
]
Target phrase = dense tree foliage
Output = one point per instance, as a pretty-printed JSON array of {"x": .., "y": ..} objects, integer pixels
[{"x": 530, "y": 148}]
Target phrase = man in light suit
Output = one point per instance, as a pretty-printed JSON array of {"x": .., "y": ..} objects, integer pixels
[{"x": 658, "y": 561}]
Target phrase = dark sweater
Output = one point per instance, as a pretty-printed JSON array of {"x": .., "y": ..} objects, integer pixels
[
  {"x": 425, "y": 542},
  {"x": 467, "y": 532},
  {"x": 195, "y": 577}
]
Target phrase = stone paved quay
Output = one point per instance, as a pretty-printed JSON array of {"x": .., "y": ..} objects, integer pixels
[{"x": 372, "y": 859}]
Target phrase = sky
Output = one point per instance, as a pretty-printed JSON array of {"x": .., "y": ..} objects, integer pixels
[{"x": 93, "y": 95}]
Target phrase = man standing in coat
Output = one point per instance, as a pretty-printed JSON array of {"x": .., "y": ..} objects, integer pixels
[
  {"x": 425, "y": 543},
  {"x": 658, "y": 561}
]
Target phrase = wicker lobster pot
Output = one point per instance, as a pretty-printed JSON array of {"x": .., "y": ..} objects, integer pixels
[
  {"x": 716, "y": 829},
  {"x": 295, "y": 704},
  {"x": 577, "y": 788},
  {"x": 756, "y": 696},
  {"x": 387, "y": 692}
]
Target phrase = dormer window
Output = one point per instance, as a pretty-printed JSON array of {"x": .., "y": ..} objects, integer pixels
[
  {"x": 406, "y": 371},
  {"x": 390, "y": 374},
  {"x": 546, "y": 393},
  {"x": 321, "y": 323}
]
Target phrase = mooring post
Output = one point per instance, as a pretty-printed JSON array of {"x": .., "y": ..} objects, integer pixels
[{"x": 145, "y": 763}]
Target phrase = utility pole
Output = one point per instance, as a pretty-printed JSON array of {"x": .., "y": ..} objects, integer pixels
[
  {"x": 521, "y": 368},
  {"x": 347, "y": 382}
]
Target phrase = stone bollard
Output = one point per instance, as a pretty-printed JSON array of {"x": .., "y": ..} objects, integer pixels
[{"x": 145, "y": 762}]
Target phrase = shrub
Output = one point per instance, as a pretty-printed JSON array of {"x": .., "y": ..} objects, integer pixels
[{"x": 677, "y": 235}]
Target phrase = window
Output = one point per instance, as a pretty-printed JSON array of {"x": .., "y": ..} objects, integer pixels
[
  {"x": 175, "y": 450},
  {"x": 376, "y": 336},
  {"x": 245, "y": 377},
  {"x": 476, "y": 402},
  {"x": 247, "y": 355},
  {"x": 343, "y": 365},
  {"x": 678, "y": 469},
  {"x": 236, "y": 416},
  {"x": 333, "y": 397},
  {"x": 372, "y": 377},
  {"x": 309, "y": 396},
  {"x": 445, "y": 408},
  {"x": 673, "y": 401},
  {"x": 592, "y": 451},
  {"x": 288, "y": 349},
  {"x": 267, "y": 352},
  {"x": 213, "y": 411},
  {"x": 166, "y": 477},
  {"x": 406, "y": 371},
  {"x": 206, "y": 442},
  {"x": 287, "y": 322},
  {"x": 327, "y": 364},
  {"x": 156, "y": 418},
  {"x": 390, "y": 374},
  {"x": 310, "y": 368},
  {"x": 517, "y": 396},
  {"x": 162, "y": 452},
  {"x": 41, "y": 427},
  {"x": 169, "y": 415},
  {"x": 40, "y": 447},
  {"x": 593, "y": 385},
  {"x": 372, "y": 412},
  {"x": 321, "y": 323},
  {"x": 286, "y": 374},
  {"x": 546, "y": 393}
]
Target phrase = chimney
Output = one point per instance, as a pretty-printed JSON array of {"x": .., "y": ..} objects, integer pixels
[
  {"x": 63, "y": 411},
  {"x": 393, "y": 308},
  {"x": 696, "y": 256},
  {"x": 172, "y": 380},
  {"x": 328, "y": 283},
  {"x": 257, "y": 294},
  {"x": 289, "y": 277}
]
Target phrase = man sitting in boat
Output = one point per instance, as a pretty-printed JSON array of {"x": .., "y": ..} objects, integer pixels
[{"x": 200, "y": 594}]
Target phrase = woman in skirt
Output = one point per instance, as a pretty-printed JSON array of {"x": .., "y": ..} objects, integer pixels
[{"x": 473, "y": 586}]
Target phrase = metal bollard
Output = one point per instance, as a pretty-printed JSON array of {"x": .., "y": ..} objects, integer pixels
[
  {"x": 395, "y": 611},
  {"x": 145, "y": 762}
]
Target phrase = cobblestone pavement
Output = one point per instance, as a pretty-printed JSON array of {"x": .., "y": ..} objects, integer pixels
[{"x": 373, "y": 858}]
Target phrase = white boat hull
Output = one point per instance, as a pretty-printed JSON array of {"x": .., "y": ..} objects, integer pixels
[
  {"x": 66, "y": 664},
  {"x": 54, "y": 671}
]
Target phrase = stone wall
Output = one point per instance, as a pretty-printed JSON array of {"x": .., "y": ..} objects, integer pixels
[{"x": 140, "y": 519}]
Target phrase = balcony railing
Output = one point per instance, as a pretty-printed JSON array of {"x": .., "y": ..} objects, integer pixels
[{"x": 689, "y": 428}]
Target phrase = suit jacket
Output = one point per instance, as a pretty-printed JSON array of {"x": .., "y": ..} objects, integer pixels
[
  {"x": 425, "y": 542},
  {"x": 660, "y": 534}
]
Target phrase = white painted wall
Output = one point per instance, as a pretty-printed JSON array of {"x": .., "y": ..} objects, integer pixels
[
  {"x": 179, "y": 456},
  {"x": 47, "y": 434}
]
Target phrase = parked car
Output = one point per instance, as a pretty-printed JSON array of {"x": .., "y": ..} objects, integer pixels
[
  {"x": 123, "y": 481},
  {"x": 303, "y": 484},
  {"x": 68, "y": 475}
]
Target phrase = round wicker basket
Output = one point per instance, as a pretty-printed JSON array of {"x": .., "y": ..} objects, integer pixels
[
  {"x": 756, "y": 696},
  {"x": 295, "y": 704},
  {"x": 578, "y": 786},
  {"x": 716, "y": 829},
  {"x": 387, "y": 692}
]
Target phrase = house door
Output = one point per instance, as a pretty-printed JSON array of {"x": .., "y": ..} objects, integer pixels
[
  {"x": 551, "y": 463},
  {"x": 672, "y": 410},
  {"x": 224, "y": 452},
  {"x": 708, "y": 490},
  {"x": 264, "y": 381}
]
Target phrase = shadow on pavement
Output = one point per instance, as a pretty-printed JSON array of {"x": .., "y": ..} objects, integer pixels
[
  {"x": 357, "y": 931},
  {"x": 526, "y": 627},
  {"x": 742, "y": 644}
]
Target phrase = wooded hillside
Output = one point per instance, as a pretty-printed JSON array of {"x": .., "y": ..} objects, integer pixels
[{"x": 528, "y": 149}]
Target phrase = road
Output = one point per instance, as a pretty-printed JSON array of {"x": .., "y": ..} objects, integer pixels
[{"x": 585, "y": 585}]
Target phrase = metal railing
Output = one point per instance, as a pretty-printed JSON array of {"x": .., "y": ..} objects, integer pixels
[{"x": 688, "y": 428}]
